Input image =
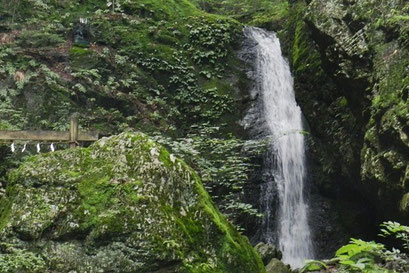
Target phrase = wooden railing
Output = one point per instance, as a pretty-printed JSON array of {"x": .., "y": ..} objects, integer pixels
[{"x": 73, "y": 137}]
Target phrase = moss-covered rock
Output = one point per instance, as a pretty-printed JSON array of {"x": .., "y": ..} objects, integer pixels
[
  {"x": 358, "y": 115},
  {"x": 122, "y": 205},
  {"x": 268, "y": 252},
  {"x": 276, "y": 266}
]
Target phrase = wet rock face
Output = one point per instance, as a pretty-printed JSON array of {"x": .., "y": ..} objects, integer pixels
[
  {"x": 268, "y": 252},
  {"x": 341, "y": 41},
  {"x": 344, "y": 48},
  {"x": 255, "y": 124},
  {"x": 122, "y": 205},
  {"x": 364, "y": 49}
]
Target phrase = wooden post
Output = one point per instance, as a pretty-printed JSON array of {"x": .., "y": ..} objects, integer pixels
[{"x": 73, "y": 131}]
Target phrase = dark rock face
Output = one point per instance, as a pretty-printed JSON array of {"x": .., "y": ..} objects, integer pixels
[
  {"x": 122, "y": 205},
  {"x": 255, "y": 125},
  {"x": 350, "y": 62},
  {"x": 363, "y": 47}
]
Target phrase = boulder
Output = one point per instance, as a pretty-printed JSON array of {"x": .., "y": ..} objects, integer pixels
[
  {"x": 276, "y": 266},
  {"x": 122, "y": 205},
  {"x": 268, "y": 252}
]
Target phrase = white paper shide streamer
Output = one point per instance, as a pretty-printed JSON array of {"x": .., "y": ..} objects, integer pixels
[{"x": 24, "y": 148}]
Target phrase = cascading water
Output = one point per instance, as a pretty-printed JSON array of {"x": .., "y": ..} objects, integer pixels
[{"x": 283, "y": 119}]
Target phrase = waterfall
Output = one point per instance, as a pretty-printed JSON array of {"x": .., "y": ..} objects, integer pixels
[{"x": 286, "y": 160}]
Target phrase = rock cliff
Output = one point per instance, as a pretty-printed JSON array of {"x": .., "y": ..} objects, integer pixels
[{"x": 350, "y": 60}]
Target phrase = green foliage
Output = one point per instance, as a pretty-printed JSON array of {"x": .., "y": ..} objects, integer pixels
[
  {"x": 209, "y": 42},
  {"x": 360, "y": 256},
  {"x": 397, "y": 230},
  {"x": 76, "y": 51},
  {"x": 263, "y": 13},
  {"x": 222, "y": 164},
  {"x": 313, "y": 265},
  {"x": 149, "y": 60},
  {"x": 207, "y": 45},
  {"x": 368, "y": 257},
  {"x": 39, "y": 39},
  {"x": 21, "y": 261}
]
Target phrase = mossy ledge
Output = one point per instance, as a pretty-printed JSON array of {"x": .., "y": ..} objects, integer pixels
[{"x": 122, "y": 205}]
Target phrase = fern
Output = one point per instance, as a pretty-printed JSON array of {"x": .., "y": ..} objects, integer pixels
[{"x": 399, "y": 231}]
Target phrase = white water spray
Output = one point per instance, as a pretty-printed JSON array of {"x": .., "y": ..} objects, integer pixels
[{"x": 284, "y": 122}]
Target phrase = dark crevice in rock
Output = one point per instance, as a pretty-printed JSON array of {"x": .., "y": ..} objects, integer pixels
[{"x": 320, "y": 37}]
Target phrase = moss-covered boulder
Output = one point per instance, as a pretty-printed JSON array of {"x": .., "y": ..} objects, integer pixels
[{"x": 122, "y": 205}]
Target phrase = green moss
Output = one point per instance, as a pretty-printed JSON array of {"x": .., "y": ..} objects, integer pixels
[
  {"x": 222, "y": 87},
  {"x": 20, "y": 261},
  {"x": 233, "y": 244},
  {"x": 125, "y": 190},
  {"x": 404, "y": 203},
  {"x": 268, "y": 14},
  {"x": 163, "y": 9},
  {"x": 304, "y": 57},
  {"x": 83, "y": 58},
  {"x": 76, "y": 51},
  {"x": 164, "y": 157},
  {"x": 5, "y": 210},
  {"x": 96, "y": 193}
]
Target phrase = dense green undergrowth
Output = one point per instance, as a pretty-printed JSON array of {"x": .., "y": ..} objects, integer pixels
[
  {"x": 147, "y": 63},
  {"x": 269, "y": 14}
]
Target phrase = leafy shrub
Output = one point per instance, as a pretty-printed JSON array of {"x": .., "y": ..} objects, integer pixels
[
  {"x": 257, "y": 12},
  {"x": 361, "y": 256},
  {"x": 21, "y": 261},
  {"x": 368, "y": 257},
  {"x": 397, "y": 230},
  {"x": 38, "y": 39},
  {"x": 222, "y": 164}
]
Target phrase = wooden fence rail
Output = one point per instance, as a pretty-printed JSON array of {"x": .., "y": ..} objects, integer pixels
[{"x": 73, "y": 137}]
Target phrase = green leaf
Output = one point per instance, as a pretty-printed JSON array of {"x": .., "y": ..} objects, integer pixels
[
  {"x": 346, "y": 249},
  {"x": 313, "y": 265}
]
